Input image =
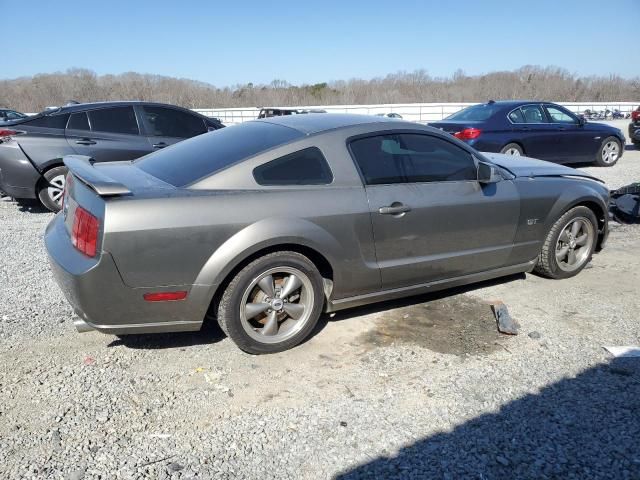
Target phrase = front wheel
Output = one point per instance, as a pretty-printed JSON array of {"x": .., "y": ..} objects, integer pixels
[
  {"x": 609, "y": 152},
  {"x": 272, "y": 304},
  {"x": 512, "y": 149},
  {"x": 569, "y": 244},
  {"x": 52, "y": 189}
]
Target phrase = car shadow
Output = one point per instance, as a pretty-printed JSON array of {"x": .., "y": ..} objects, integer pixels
[
  {"x": 31, "y": 206},
  {"x": 584, "y": 165},
  {"x": 582, "y": 427},
  {"x": 630, "y": 146},
  {"x": 380, "y": 307},
  {"x": 209, "y": 334}
]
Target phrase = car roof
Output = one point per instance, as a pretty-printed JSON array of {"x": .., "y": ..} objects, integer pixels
[
  {"x": 319, "y": 122},
  {"x": 515, "y": 103},
  {"x": 79, "y": 107}
]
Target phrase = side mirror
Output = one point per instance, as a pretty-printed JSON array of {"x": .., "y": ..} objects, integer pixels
[
  {"x": 488, "y": 173},
  {"x": 581, "y": 120}
]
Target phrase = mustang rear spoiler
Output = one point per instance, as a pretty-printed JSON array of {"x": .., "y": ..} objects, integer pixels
[{"x": 82, "y": 168}]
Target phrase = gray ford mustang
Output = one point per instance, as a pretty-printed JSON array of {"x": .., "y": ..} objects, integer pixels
[{"x": 267, "y": 224}]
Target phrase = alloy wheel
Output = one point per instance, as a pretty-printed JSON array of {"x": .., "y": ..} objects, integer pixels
[
  {"x": 277, "y": 304},
  {"x": 56, "y": 189},
  {"x": 574, "y": 244},
  {"x": 610, "y": 152},
  {"x": 512, "y": 151}
]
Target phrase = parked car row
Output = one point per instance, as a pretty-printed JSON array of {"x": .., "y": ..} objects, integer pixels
[
  {"x": 264, "y": 225},
  {"x": 32, "y": 148},
  {"x": 537, "y": 129}
]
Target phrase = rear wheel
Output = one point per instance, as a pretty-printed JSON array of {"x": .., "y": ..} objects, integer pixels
[
  {"x": 272, "y": 304},
  {"x": 609, "y": 152},
  {"x": 512, "y": 149},
  {"x": 51, "y": 190},
  {"x": 569, "y": 244}
]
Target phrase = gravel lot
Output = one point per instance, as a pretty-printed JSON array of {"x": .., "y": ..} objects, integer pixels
[{"x": 422, "y": 388}]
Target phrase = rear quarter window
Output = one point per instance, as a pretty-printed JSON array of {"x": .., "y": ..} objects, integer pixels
[
  {"x": 191, "y": 160},
  {"x": 306, "y": 167},
  {"x": 49, "y": 121},
  {"x": 516, "y": 116}
]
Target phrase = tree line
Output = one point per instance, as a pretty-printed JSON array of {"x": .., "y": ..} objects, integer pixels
[{"x": 32, "y": 94}]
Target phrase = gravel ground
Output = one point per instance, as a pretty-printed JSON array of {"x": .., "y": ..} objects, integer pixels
[{"x": 420, "y": 388}]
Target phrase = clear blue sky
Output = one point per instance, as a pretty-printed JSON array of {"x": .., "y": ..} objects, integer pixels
[{"x": 231, "y": 42}]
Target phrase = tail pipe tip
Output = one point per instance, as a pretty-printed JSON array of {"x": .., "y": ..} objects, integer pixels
[{"x": 82, "y": 326}]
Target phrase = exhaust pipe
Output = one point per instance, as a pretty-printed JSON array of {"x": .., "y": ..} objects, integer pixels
[{"x": 82, "y": 326}]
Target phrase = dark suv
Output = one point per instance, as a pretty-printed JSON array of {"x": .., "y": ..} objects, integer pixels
[{"x": 31, "y": 149}]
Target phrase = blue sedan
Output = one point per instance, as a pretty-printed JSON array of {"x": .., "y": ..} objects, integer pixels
[{"x": 536, "y": 129}]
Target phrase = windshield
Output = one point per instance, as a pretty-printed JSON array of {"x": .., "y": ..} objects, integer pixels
[
  {"x": 201, "y": 156},
  {"x": 475, "y": 113}
]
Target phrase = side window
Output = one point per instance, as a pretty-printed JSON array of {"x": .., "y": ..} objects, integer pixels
[
  {"x": 167, "y": 122},
  {"x": 50, "y": 121},
  {"x": 114, "y": 120},
  {"x": 559, "y": 116},
  {"x": 306, "y": 167},
  {"x": 78, "y": 121},
  {"x": 412, "y": 158},
  {"x": 533, "y": 114},
  {"x": 11, "y": 115},
  {"x": 516, "y": 116}
]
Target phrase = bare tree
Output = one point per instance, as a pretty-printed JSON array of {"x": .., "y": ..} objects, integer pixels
[{"x": 32, "y": 94}]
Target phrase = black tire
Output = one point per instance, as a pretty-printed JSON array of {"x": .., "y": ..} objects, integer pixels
[
  {"x": 548, "y": 265},
  {"x": 601, "y": 160},
  {"x": 228, "y": 312},
  {"x": 636, "y": 143},
  {"x": 45, "y": 193},
  {"x": 512, "y": 147}
]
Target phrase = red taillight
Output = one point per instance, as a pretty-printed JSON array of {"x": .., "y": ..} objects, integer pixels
[
  {"x": 5, "y": 132},
  {"x": 67, "y": 185},
  {"x": 84, "y": 234},
  {"x": 635, "y": 115},
  {"x": 468, "y": 134},
  {"x": 165, "y": 296}
]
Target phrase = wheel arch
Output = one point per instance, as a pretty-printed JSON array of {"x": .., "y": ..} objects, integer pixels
[
  {"x": 297, "y": 235},
  {"x": 593, "y": 204},
  {"x": 517, "y": 142},
  {"x": 53, "y": 163},
  {"x": 601, "y": 215},
  {"x": 318, "y": 259}
]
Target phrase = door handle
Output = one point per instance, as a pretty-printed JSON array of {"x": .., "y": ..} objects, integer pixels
[
  {"x": 159, "y": 145},
  {"x": 85, "y": 141},
  {"x": 394, "y": 209}
]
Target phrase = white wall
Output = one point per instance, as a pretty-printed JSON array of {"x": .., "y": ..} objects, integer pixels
[{"x": 416, "y": 112}]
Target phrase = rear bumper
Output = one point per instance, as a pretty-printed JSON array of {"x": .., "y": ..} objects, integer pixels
[
  {"x": 634, "y": 132},
  {"x": 18, "y": 177},
  {"x": 103, "y": 302}
]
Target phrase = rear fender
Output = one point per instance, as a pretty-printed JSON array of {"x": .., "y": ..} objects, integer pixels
[{"x": 266, "y": 233}]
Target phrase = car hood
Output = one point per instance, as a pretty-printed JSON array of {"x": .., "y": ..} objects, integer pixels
[{"x": 530, "y": 167}]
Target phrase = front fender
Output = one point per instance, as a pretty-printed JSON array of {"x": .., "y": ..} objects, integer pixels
[
  {"x": 268, "y": 232},
  {"x": 580, "y": 193}
]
